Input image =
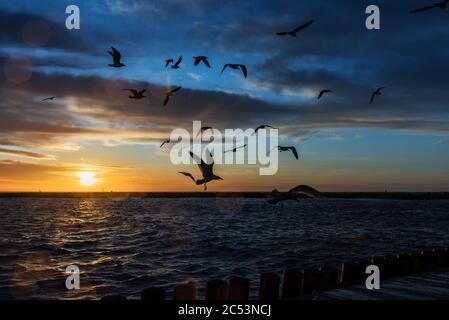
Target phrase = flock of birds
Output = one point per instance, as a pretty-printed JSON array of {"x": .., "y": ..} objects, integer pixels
[
  {"x": 207, "y": 167},
  {"x": 136, "y": 94}
]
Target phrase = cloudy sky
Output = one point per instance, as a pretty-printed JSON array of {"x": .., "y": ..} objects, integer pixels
[{"x": 399, "y": 143}]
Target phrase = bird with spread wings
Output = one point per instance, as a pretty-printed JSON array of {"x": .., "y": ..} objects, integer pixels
[
  {"x": 295, "y": 31},
  {"x": 206, "y": 169},
  {"x": 242, "y": 67},
  {"x": 116, "y": 58},
  {"x": 275, "y": 196}
]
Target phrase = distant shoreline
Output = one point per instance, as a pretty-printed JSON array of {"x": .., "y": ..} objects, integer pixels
[{"x": 329, "y": 195}]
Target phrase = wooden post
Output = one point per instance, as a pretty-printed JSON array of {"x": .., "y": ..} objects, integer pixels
[
  {"x": 114, "y": 297},
  {"x": 217, "y": 290},
  {"x": 381, "y": 263},
  {"x": 405, "y": 264},
  {"x": 185, "y": 291},
  {"x": 269, "y": 286},
  {"x": 328, "y": 278},
  {"x": 442, "y": 259},
  {"x": 238, "y": 289},
  {"x": 417, "y": 262},
  {"x": 153, "y": 294},
  {"x": 310, "y": 283},
  {"x": 350, "y": 274},
  {"x": 429, "y": 258},
  {"x": 392, "y": 265},
  {"x": 361, "y": 271},
  {"x": 346, "y": 277},
  {"x": 292, "y": 284}
]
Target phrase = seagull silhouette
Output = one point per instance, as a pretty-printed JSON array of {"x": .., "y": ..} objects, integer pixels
[
  {"x": 323, "y": 92},
  {"x": 164, "y": 143},
  {"x": 439, "y": 5},
  {"x": 169, "y": 94},
  {"x": 235, "y": 67},
  {"x": 116, "y": 57},
  {"x": 200, "y": 59},
  {"x": 235, "y": 149},
  {"x": 292, "y": 149},
  {"x": 295, "y": 31},
  {"x": 168, "y": 62},
  {"x": 176, "y": 65},
  {"x": 275, "y": 196},
  {"x": 206, "y": 168},
  {"x": 168, "y": 141},
  {"x": 48, "y": 99},
  {"x": 376, "y": 93},
  {"x": 137, "y": 95},
  {"x": 263, "y": 127},
  {"x": 203, "y": 129}
]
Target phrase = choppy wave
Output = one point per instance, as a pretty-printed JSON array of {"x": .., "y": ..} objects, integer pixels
[{"x": 126, "y": 246}]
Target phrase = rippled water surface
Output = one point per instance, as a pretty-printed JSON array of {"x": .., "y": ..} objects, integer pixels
[{"x": 128, "y": 245}]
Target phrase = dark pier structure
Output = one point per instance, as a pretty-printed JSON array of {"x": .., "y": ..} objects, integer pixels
[{"x": 413, "y": 275}]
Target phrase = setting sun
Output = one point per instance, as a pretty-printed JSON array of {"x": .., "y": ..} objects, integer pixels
[{"x": 87, "y": 178}]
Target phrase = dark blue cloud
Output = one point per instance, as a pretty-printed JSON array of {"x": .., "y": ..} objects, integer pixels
[{"x": 408, "y": 56}]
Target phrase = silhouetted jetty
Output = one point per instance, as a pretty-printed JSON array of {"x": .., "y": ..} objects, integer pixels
[{"x": 413, "y": 275}]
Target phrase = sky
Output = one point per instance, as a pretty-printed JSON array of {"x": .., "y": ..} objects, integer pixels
[{"x": 93, "y": 138}]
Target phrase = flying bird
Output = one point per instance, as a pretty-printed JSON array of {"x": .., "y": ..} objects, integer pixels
[
  {"x": 323, "y": 92},
  {"x": 242, "y": 67},
  {"x": 275, "y": 196},
  {"x": 202, "y": 59},
  {"x": 116, "y": 57},
  {"x": 206, "y": 168},
  {"x": 289, "y": 149},
  {"x": 376, "y": 93},
  {"x": 169, "y": 94},
  {"x": 137, "y": 95},
  {"x": 439, "y": 5},
  {"x": 176, "y": 65},
  {"x": 168, "y": 141},
  {"x": 168, "y": 62},
  {"x": 48, "y": 99},
  {"x": 263, "y": 127},
  {"x": 164, "y": 143},
  {"x": 203, "y": 129},
  {"x": 295, "y": 31},
  {"x": 235, "y": 149}
]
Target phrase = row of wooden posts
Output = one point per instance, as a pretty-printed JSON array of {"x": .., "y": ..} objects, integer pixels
[{"x": 297, "y": 284}]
